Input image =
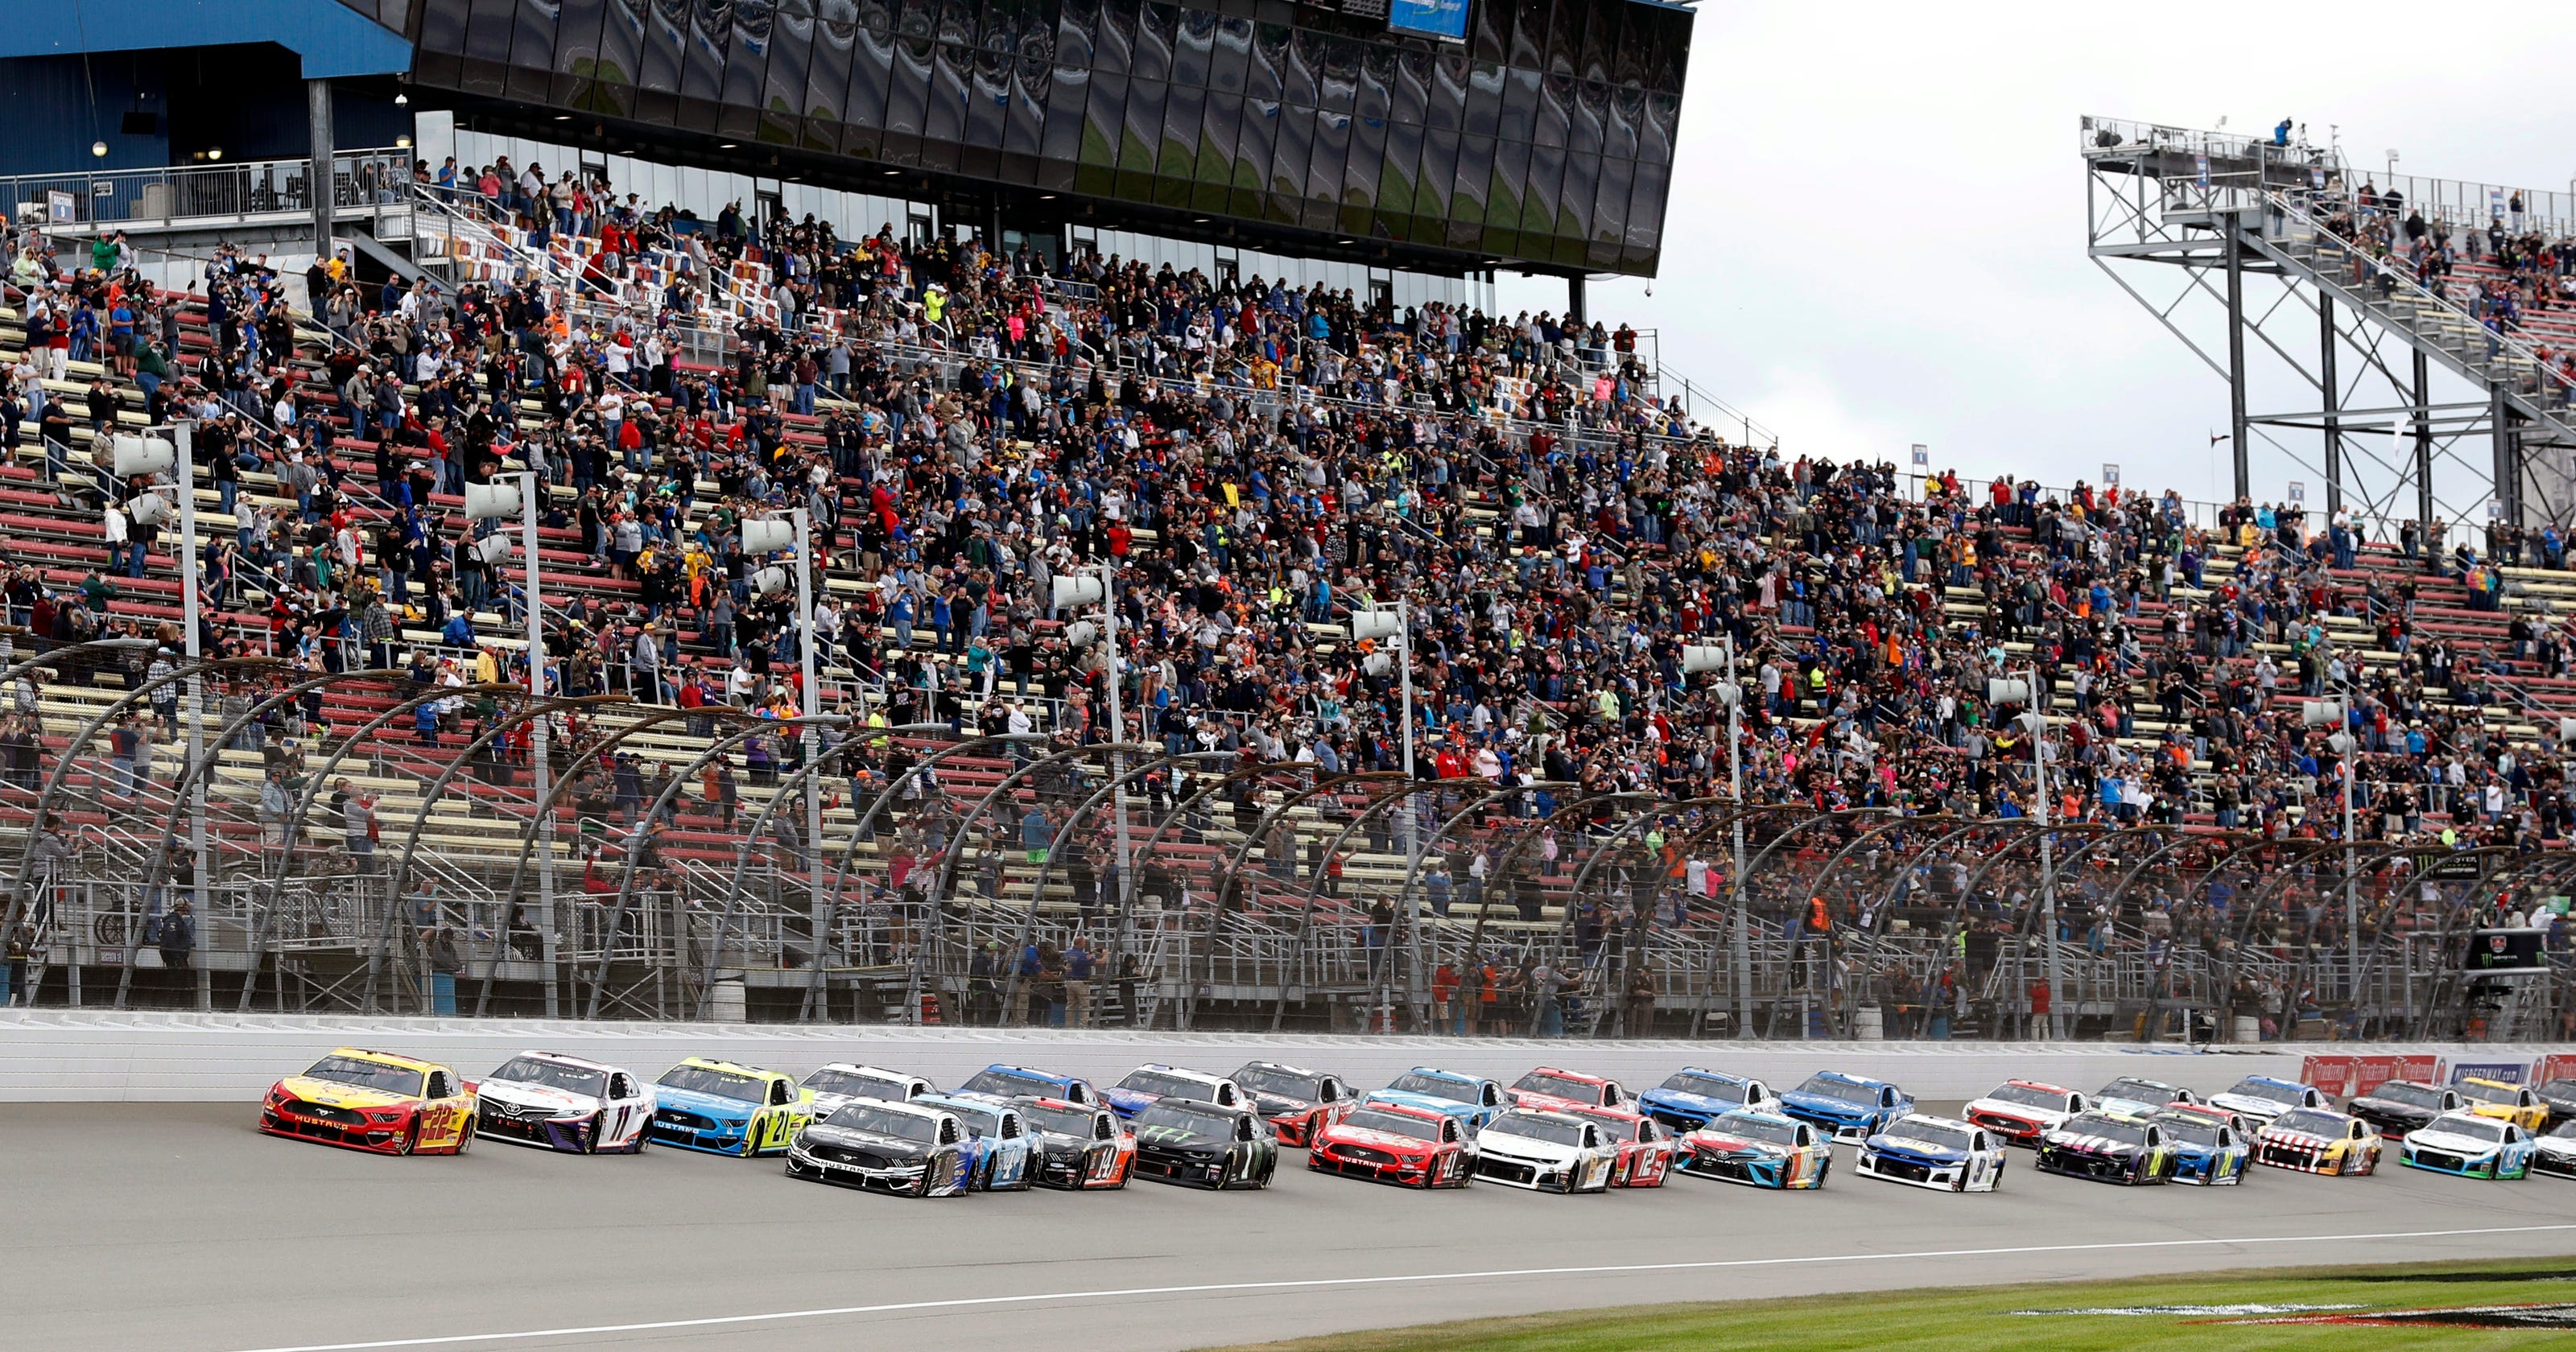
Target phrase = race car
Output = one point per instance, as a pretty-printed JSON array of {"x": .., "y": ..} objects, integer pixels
[
  {"x": 2129, "y": 1094},
  {"x": 1545, "y": 1152},
  {"x": 1150, "y": 1084},
  {"x": 2107, "y": 1147},
  {"x": 2318, "y": 1141},
  {"x": 725, "y": 1109},
  {"x": 1923, "y": 1151},
  {"x": 1474, "y": 1102},
  {"x": 1758, "y": 1149},
  {"x": 997, "y": 1140},
  {"x": 2513, "y": 1103},
  {"x": 2472, "y": 1145},
  {"x": 1548, "y": 1089},
  {"x": 563, "y": 1103},
  {"x": 392, "y": 1105},
  {"x": 1645, "y": 1146},
  {"x": 840, "y": 1082},
  {"x": 1690, "y": 1098},
  {"x": 2209, "y": 1148},
  {"x": 1851, "y": 1107},
  {"x": 1022, "y": 1082},
  {"x": 1391, "y": 1143},
  {"x": 2400, "y": 1106},
  {"x": 2258, "y": 1099},
  {"x": 2021, "y": 1111},
  {"x": 1075, "y": 1147},
  {"x": 903, "y": 1148},
  {"x": 1200, "y": 1145},
  {"x": 2555, "y": 1153},
  {"x": 2559, "y": 1097},
  {"x": 1298, "y": 1102}
]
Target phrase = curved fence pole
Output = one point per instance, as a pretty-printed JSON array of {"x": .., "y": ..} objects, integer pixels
[
  {"x": 662, "y": 803},
  {"x": 1009, "y": 783},
  {"x": 1108, "y": 789},
  {"x": 1397, "y": 788},
  {"x": 293, "y": 829},
  {"x": 209, "y": 754}
]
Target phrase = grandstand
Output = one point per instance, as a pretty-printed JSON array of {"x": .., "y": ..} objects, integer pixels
[{"x": 1405, "y": 708}]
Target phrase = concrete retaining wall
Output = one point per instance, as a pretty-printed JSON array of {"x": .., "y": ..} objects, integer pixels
[{"x": 50, "y": 1056}]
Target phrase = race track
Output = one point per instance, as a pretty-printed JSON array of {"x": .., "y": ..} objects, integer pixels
[{"x": 179, "y": 1228}]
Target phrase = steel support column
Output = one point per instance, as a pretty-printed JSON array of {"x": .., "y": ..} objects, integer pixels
[
  {"x": 2241, "y": 446},
  {"x": 2331, "y": 385}
]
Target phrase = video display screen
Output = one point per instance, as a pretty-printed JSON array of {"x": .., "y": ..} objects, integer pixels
[{"x": 1538, "y": 131}]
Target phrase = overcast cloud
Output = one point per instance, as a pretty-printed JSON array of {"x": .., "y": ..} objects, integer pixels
[{"x": 1877, "y": 226}]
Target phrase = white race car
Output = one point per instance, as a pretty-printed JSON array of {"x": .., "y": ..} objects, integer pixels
[
  {"x": 840, "y": 1082},
  {"x": 1934, "y": 1152},
  {"x": 1545, "y": 1152},
  {"x": 564, "y": 1103}
]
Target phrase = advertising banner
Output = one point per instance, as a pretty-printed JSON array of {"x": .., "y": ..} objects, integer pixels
[{"x": 2350, "y": 1076}]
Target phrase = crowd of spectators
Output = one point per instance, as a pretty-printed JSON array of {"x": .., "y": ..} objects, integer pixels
[{"x": 1255, "y": 460}]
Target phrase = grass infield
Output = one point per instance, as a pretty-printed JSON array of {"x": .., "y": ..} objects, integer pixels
[{"x": 1986, "y": 1318}]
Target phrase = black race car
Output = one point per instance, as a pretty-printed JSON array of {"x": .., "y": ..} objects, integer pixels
[
  {"x": 2401, "y": 1106},
  {"x": 2560, "y": 1095},
  {"x": 1298, "y": 1102},
  {"x": 2108, "y": 1148},
  {"x": 883, "y": 1147},
  {"x": 1201, "y": 1145}
]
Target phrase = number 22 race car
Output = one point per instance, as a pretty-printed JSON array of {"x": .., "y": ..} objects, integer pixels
[{"x": 377, "y": 1101}]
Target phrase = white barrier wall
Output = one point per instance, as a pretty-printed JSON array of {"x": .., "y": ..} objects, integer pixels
[{"x": 100, "y": 1057}]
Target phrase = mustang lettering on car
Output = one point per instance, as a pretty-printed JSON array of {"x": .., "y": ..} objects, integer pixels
[
  {"x": 377, "y": 1101},
  {"x": 902, "y": 1148},
  {"x": 1391, "y": 1143}
]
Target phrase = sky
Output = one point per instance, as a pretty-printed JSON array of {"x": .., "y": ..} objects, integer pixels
[{"x": 1876, "y": 235}]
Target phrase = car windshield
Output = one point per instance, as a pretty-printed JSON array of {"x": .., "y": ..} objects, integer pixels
[
  {"x": 1433, "y": 1086},
  {"x": 981, "y": 1121},
  {"x": 2190, "y": 1130},
  {"x": 570, "y": 1079},
  {"x": 1828, "y": 1087},
  {"x": 1393, "y": 1124},
  {"x": 1707, "y": 1086},
  {"x": 2559, "y": 1088},
  {"x": 1533, "y": 1127},
  {"x": 1074, "y": 1122},
  {"x": 2312, "y": 1122},
  {"x": 855, "y": 1085},
  {"x": 2126, "y": 1133},
  {"x": 358, "y": 1074},
  {"x": 1164, "y": 1084},
  {"x": 2485, "y": 1129},
  {"x": 1011, "y": 1083},
  {"x": 2138, "y": 1091},
  {"x": 1182, "y": 1119},
  {"x": 877, "y": 1119},
  {"x": 1755, "y": 1129},
  {"x": 1930, "y": 1133},
  {"x": 2412, "y": 1095},
  {"x": 2489, "y": 1093},
  {"x": 1558, "y": 1086},
  {"x": 2028, "y": 1097},
  {"x": 2249, "y": 1087},
  {"x": 2566, "y": 1131},
  {"x": 715, "y": 1083},
  {"x": 1281, "y": 1083}
]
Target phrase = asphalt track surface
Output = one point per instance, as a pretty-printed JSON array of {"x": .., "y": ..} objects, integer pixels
[{"x": 179, "y": 1228}]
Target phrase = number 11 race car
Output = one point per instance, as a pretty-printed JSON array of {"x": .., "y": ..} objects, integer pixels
[
  {"x": 392, "y": 1105},
  {"x": 564, "y": 1103}
]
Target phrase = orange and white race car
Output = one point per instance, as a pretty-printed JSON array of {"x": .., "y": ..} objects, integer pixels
[
  {"x": 377, "y": 1101},
  {"x": 1646, "y": 1146}
]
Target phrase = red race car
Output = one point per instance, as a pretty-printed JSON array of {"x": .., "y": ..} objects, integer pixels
[
  {"x": 1296, "y": 1102},
  {"x": 1645, "y": 1146},
  {"x": 393, "y": 1105},
  {"x": 2021, "y": 1111},
  {"x": 1549, "y": 1090},
  {"x": 1392, "y": 1143}
]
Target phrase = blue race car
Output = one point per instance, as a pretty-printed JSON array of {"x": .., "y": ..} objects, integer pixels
[
  {"x": 1921, "y": 1151},
  {"x": 2470, "y": 1146},
  {"x": 726, "y": 1109},
  {"x": 1691, "y": 1098},
  {"x": 1849, "y": 1106},
  {"x": 2207, "y": 1148},
  {"x": 997, "y": 1143},
  {"x": 1474, "y": 1102},
  {"x": 1021, "y": 1082}
]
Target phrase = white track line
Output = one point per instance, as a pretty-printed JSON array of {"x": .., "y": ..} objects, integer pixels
[{"x": 459, "y": 1339}]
